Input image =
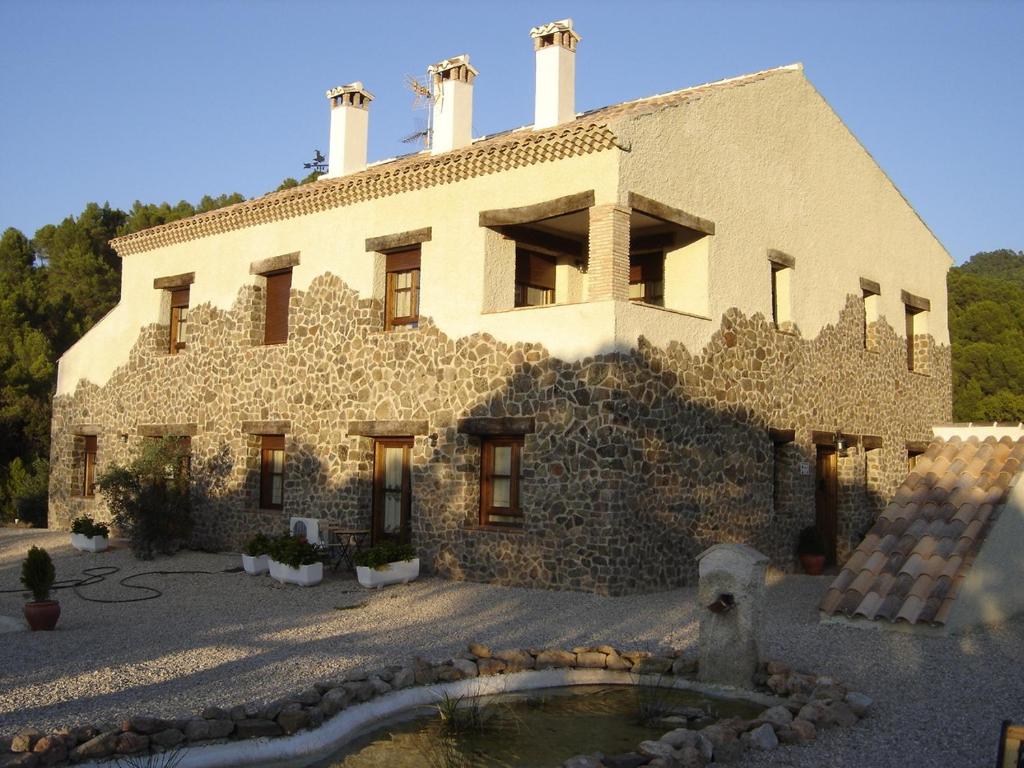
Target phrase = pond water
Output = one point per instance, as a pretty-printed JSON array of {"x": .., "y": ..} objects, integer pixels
[{"x": 536, "y": 728}]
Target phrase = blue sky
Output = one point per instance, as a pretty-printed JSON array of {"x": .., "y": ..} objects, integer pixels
[{"x": 118, "y": 101}]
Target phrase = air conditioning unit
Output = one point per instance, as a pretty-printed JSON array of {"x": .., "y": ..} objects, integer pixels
[{"x": 307, "y": 527}]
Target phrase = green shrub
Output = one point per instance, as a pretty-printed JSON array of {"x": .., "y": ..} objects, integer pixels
[
  {"x": 38, "y": 574},
  {"x": 150, "y": 498},
  {"x": 258, "y": 545},
  {"x": 293, "y": 552},
  {"x": 378, "y": 557},
  {"x": 27, "y": 491},
  {"x": 86, "y": 526}
]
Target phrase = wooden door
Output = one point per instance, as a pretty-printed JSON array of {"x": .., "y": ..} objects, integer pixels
[
  {"x": 826, "y": 497},
  {"x": 392, "y": 489}
]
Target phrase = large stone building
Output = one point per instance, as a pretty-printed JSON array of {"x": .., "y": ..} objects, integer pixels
[{"x": 570, "y": 355}]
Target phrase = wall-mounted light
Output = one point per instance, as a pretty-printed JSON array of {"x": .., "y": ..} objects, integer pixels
[{"x": 842, "y": 444}]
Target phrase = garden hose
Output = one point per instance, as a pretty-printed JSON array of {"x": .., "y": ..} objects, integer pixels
[{"x": 98, "y": 574}]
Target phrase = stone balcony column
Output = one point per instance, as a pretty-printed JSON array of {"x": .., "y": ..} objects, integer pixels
[{"x": 608, "y": 264}]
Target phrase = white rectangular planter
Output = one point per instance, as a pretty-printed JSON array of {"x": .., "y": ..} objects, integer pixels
[
  {"x": 255, "y": 565},
  {"x": 401, "y": 572},
  {"x": 304, "y": 575},
  {"x": 84, "y": 543}
]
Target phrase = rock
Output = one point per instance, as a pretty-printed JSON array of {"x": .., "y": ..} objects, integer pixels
[
  {"x": 292, "y": 720},
  {"x": 828, "y": 693},
  {"x": 777, "y": 668},
  {"x": 653, "y": 665},
  {"x": 254, "y": 728},
  {"x": 310, "y": 696},
  {"x": 403, "y": 678},
  {"x": 98, "y": 746},
  {"x": 680, "y": 737},
  {"x": 812, "y": 713},
  {"x": 273, "y": 709},
  {"x": 763, "y": 737},
  {"x": 583, "y": 761},
  {"x": 131, "y": 743},
  {"x": 656, "y": 749},
  {"x": 797, "y": 732},
  {"x": 778, "y": 684},
  {"x": 361, "y": 691},
  {"x": 490, "y": 667},
  {"x": 801, "y": 685},
  {"x": 516, "y": 660},
  {"x": 146, "y": 724},
  {"x": 323, "y": 686},
  {"x": 167, "y": 738},
  {"x": 684, "y": 667},
  {"x": 221, "y": 729},
  {"x": 25, "y": 739},
  {"x": 448, "y": 674},
  {"x": 591, "y": 660},
  {"x": 466, "y": 667},
  {"x": 237, "y": 712},
  {"x": 777, "y": 716},
  {"x": 718, "y": 734},
  {"x": 358, "y": 675},
  {"x": 480, "y": 651},
  {"x": 215, "y": 713},
  {"x": 689, "y": 757},
  {"x": 335, "y": 700},
  {"x": 860, "y": 703},
  {"x": 425, "y": 672},
  {"x": 52, "y": 749},
  {"x": 614, "y": 661},
  {"x": 626, "y": 760},
  {"x": 379, "y": 689},
  {"x": 837, "y": 713},
  {"x": 19, "y": 760},
  {"x": 555, "y": 659},
  {"x": 197, "y": 730},
  {"x": 316, "y": 716},
  {"x": 387, "y": 674}
]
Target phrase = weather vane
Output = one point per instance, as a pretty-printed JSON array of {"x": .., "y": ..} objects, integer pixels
[{"x": 318, "y": 163}]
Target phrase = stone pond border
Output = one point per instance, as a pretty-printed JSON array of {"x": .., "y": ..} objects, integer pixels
[{"x": 308, "y": 726}]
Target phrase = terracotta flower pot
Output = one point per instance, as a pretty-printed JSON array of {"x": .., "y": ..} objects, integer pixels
[
  {"x": 42, "y": 615},
  {"x": 814, "y": 565}
]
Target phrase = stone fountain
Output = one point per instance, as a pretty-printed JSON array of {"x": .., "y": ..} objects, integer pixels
[{"x": 730, "y": 597}]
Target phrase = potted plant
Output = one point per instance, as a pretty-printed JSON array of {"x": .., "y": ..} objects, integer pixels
[
  {"x": 89, "y": 536},
  {"x": 37, "y": 575},
  {"x": 387, "y": 563},
  {"x": 295, "y": 561},
  {"x": 255, "y": 558},
  {"x": 810, "y": 548}
]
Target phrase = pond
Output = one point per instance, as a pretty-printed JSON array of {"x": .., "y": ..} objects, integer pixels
[{"x": 535, "y": 728}]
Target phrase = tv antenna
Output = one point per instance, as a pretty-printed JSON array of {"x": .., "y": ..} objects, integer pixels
[
  {"x": 422, "y": 99},
  {"x": 318, "y": 164}
]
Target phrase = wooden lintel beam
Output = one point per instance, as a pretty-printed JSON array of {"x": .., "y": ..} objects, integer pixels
[
  {"x": 503, "y": 217},
  {"x": 672, "y": 215}
]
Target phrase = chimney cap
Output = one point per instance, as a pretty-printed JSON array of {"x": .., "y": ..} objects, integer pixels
[
  {"x": 555, "y": 33},
  {"x": 455, "y": 68},
  {"x": 352, "y": 89}
]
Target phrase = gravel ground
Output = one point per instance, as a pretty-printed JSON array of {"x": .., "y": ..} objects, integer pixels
[{"x": 229, "y": 638}]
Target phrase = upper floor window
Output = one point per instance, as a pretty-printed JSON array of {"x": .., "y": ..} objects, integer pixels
[
  {"x": 782, "y": 267},
  {"x": 647, "y": 278},
  {"x": 501, "y": 480},
  {"x": 916, "y": 322},
  {"x": 88, "y": 484},
  {"x": 870, "y": 290},
  {"x": 535, "y": 279},
  {"x": 402, "y": 297},
  {"x": 179, "y": 319},
  {"x": 272, "y": 472},
  {"x": 279, "y": 286}
]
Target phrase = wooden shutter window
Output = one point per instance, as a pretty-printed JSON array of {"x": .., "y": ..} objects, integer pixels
[
  {"x": 647, "y": 278},
  {"x": 89, "y": 467},
  {"x": 179, "y": 319},
  {"x": 535, "y": 279},
  {"x": 500, "y": 481},
  {"x": 402, "y": 298},
  {"x": 279, "y": 286},
  {"x": 272, "y": 472}
]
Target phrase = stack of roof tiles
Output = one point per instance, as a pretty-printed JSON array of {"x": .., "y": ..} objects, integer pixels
[{"x": 912, "y": 563}]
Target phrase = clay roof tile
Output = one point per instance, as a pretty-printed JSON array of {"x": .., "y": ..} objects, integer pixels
[
  {"x": 911, "y": 609},
  {"x": 831, "y": 601},
  {"x": 869, "y": 605}
]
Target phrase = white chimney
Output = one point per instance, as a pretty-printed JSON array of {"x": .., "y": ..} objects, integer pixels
[
  {"x": 555, "y": 101},
  {"x": 350, "y": 117},
  {"x": 452, "y": 88}
]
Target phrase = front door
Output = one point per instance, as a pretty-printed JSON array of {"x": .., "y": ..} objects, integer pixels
[
  {"x": 391, "y": 489},
  {"x": 826, "y": 492}
]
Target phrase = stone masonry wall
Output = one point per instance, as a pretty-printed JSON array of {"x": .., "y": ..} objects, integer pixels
[{"x": 639, "y": 461}]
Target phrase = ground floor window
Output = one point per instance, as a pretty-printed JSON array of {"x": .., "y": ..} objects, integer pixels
[
  {"x": 272, "y": 472},
  {"x": 501, "y": 480}
]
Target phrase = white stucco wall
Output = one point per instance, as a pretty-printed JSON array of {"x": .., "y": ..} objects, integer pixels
[
  {"x": 454, "y": 283},
  {"x": 772, "y": 166}
]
